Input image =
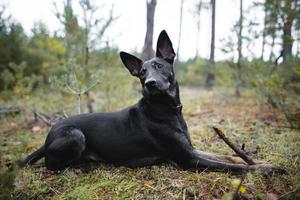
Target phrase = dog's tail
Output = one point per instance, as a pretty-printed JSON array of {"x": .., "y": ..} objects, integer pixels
[{"x": 35, "y": 156}]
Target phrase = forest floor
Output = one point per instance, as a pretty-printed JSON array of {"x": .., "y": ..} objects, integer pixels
[{"x": 244, "y": 120}]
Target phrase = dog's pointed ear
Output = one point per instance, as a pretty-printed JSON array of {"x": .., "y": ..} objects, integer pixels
[
  {"x": 164, "y": 48},
  {"x": 132, "y": 63}
]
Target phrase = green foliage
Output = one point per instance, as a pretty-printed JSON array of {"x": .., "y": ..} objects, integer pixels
[
  {"x": 12, "y": 46},
  {"x": 111, "y": 97},
  {"x": 18, "y": 82},
  {"x": 283, "y": 78},
  {"x": 26, "y": 61},
  {"x": 71, "y": 78},
  {"x": 192, "y": 72},
  {"x": 45, "y": 53}
]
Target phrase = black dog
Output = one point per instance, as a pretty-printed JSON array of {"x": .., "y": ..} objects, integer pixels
[{"x": 151, "y": 132}]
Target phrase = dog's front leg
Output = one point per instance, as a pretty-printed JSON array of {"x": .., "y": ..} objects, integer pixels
[
  {"x": 201, "y": 161},
  {"x": 197, "y": 162},
  {"x": 220, "y": 157},
  {"x": 225, "y": 158}
]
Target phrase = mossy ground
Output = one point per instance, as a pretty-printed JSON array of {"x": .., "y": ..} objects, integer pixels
[{"x": 244, "y": 120}]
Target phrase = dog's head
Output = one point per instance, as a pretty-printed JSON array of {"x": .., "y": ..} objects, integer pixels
[{"x": 157, "y": 74}]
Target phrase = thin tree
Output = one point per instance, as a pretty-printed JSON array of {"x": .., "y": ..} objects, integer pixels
[
  {"x": 273, "y": 30},
  {"x": 147, "y": 49},
  {"x": 198, "y": 14},
  {"x": 91, "y": 22},
  {"x": 213, "y": 20},
  {"x": 179, "y": 33},
  {"x": 80, "y": 41},
  {"x": 273, "y": 10},
  {"x": 264, "y": 31},
  {"x": 210, "y": 77},
  {"x": 71, "y": 29},
  {"x": 199, "y": 6},
  {"x": 239, "y": 49},
  {"x": 288, "y": 18}
]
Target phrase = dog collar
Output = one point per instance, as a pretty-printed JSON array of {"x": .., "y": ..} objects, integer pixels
[{"x": 178, "y": 108}]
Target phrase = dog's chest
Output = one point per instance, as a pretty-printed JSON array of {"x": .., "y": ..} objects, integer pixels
[{"x": 167, "y": 127}]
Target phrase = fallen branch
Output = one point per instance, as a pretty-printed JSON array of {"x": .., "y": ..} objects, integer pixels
[
  {"x": 12, "y": 110},
  {"x": 238, "y": 151},
  {"x": 49, "y": 120},
  {"x": 42, "y": 117}
]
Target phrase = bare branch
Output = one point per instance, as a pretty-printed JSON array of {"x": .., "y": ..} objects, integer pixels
[
  {"x": 71, "y": 90},
  {"x": 89, "y": 88},
  {"x": 42, "y": 117},
  {"x": 242, "y": 154},
  {"x": 57, "y": 14},
  {"x": 107, "y": 23}
]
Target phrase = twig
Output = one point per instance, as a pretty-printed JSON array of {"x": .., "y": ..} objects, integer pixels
[
  {"x": 149, "y": 186},
  {"x": 65, "y": 114},
  {"x": 90, "y": 87},
  {"x": 10, "y": 110},
  {"x": 290, "y": 192},
  {"x": 42, "y": 117},
  {"x": 246, "y": 158},
  {"x": 72, "y": 91},
  {"x": 289, "y": 127}
]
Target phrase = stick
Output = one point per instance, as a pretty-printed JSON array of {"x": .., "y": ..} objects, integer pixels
[
  {"x": 42, "y": 117},
  {"x": 10, "y": 110},
  {"x": 246, "y": 158}
]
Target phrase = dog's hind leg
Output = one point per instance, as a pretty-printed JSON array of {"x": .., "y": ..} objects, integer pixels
[
  {"x": 35, "y": 156},
  {"x": 65, "y": 149}
]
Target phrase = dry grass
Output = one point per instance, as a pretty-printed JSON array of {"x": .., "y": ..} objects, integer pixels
[{"x": 244, "y": 120}]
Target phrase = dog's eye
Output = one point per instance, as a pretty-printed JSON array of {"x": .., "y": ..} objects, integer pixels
[
  {"x": 159, "y": 65},
  {"x": 143, "y": 72}
]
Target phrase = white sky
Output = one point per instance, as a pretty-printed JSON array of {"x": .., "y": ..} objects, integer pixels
[{"x": 128, "y": 31}]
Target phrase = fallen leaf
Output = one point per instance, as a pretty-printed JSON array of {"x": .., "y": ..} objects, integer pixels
[
  {"x": 36, "y": 128},
  {"x": 272, "y": 196}
]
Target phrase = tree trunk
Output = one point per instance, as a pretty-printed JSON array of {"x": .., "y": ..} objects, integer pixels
[
  {"x": 179, "y": 36},
  {"x": 180, "y": 25},
  {"x": 210, "y": 77},
  {"x": 240, "y": 55},
  {"x": 264, "y": 32},
  {"x": 272, "y": 47},
  {"x": 287, "y": 39},
  {"x": 213, "y": 20},
  {"x": 199, "y": 7},
  {"x": 148, "y": 52},
  {"x": 68, "y": 31},
  {"x": 86, "y": 55},
  {"x": 298, "y": 45}
]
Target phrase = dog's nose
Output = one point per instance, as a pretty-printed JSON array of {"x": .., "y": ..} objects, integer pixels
[{"x": 150, "y": 83}]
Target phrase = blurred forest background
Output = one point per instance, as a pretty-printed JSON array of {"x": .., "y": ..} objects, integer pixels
[
  {"x": 46, "y": 73},
  {"x": 80, "y": 56}
]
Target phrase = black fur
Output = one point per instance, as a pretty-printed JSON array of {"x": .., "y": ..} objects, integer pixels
[{"x": 150, "y": 132}]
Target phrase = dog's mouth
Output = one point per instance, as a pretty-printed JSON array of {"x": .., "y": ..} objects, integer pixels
[
  {"x": 152, "y": 90},
  {"x": 156, "y": 90}
]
